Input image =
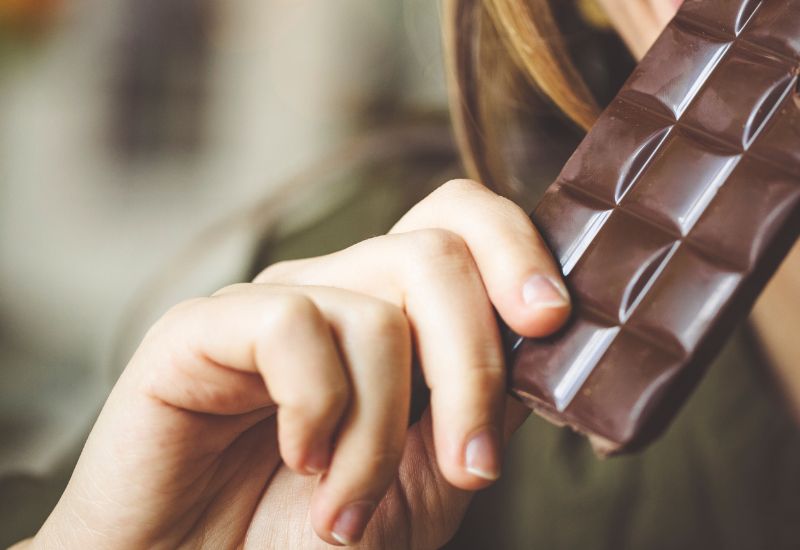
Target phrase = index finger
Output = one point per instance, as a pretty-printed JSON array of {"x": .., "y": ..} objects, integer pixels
[{"x": 521, "y": 278}]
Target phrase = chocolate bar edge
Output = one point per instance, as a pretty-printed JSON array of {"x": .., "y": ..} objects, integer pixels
[{"x": 664, "y": 407}]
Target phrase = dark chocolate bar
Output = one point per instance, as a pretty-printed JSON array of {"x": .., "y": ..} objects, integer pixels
[{"x": 669, "y": 219}]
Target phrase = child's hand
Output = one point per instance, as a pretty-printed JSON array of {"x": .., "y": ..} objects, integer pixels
[{"x": 218, "y": 430}]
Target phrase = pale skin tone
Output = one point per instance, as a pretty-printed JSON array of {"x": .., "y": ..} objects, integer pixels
[
  {"x": 219, "y": 428},
  {"x": 274, "y": 414},
  {"x": 639, "y": 21},
  {"x": 776, "y": 318}
]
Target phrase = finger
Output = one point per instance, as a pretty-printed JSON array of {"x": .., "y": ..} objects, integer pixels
[
  {"x": 433, "y": 277},
  {"x": 375, "y": 339},
  {"x": 429, "y": 497},
  {"x": 520, "y": 276},
  {"x": 278, "y": 334},
  {"x": 460, "y": 353}
]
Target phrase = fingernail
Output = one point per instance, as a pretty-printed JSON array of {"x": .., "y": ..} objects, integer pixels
[
  {"x": 482, "y": 455},
  {"x": 541, "y": 291},
  {"x": 317, "y": 460},
  {"x": 349, "y": 526}
]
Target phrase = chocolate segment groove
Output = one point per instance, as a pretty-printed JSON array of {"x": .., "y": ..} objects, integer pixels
[{"x": 669, "y": 219}]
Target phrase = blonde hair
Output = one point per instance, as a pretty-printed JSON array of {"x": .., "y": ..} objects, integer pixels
[{"x": 495, "y": 41}]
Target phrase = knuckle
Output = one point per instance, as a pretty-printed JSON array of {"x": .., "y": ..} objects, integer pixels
[
  {"x": 274, "y": 273},
  {"x": 184, "y": 306},
  {"x": 176, "y": 315},
  {"x": 510, "y": 208},
  {"x": 439, "y": 244},
  {"x": 383, "y": 319},
  {"x": 438, "y": 254},
  {"x": 290, "y": 310},
  {"x": 445, "y": 197},
  {"x": 160, "y": 359},
  {"x": 513, "y": 215},
  {"x": 460, "y": 186},
  {"x": 232, "y": 289}
]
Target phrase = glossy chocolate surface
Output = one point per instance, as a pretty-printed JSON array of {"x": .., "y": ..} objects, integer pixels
[{"x": 669, "y": 219}]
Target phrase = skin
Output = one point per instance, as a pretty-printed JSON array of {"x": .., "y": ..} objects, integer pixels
[
  {"x": 776, "y": 319},
  {"x": 274, "y": 414},
  {"x": 639, "y": 22},
  {"x": 268, "y": 412}
]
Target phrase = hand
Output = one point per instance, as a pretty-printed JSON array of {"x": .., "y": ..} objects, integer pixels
[{"x": 274, "y": 408}]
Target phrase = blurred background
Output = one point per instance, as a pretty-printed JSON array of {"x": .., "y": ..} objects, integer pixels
[
  {"x": 148, "y": 151},
  {"x": 155, "y": 150}
]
